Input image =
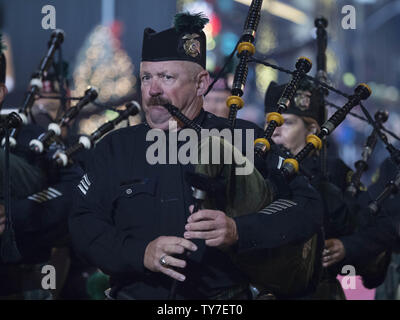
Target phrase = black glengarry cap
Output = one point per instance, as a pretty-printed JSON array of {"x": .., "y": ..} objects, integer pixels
[{"x": 185, "y": 41}]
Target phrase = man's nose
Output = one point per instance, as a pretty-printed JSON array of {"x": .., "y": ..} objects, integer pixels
[
  {"x": 277, "y": 131},
  {"x": 155, "y": 88}
]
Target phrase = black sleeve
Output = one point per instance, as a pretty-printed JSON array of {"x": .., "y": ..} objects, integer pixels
[
  {"x": 381, "y": 234},
  {"x": 287, "y": 220},
  {"x": 94, "y": 235},
  {"x": 40, "y": 221}
]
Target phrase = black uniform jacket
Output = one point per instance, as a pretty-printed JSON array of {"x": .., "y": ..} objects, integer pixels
[
  {"x": 123, "y": 203},
  {"x": 41, "y": 219}
]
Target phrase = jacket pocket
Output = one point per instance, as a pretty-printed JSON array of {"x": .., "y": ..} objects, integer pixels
[
  {"x": 137, "y": 205},
  {"x": 138, "y": 186}
]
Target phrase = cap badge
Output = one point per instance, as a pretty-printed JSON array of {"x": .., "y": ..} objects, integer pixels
[
  {"x": 191, "y": 45},
  {"x": 302, "y": 100}
]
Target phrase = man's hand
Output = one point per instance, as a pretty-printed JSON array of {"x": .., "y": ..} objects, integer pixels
[
  {"x": 163, "y": 248},
  {"x": 2, "y": 219},
  {"x": 213, "y": 226},
  {"x": 333, "y": 253}
]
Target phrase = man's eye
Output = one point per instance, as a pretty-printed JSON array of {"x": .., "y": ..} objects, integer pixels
[
  {"x": 145, "y": 78},
  {"x": 168, "y": 77}
]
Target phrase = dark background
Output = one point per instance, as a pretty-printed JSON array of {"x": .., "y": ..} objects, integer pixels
[{"x": 22, "y": 21}]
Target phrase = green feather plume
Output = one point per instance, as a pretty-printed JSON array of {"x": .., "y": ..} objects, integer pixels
[{"x": 186, "y": 22}]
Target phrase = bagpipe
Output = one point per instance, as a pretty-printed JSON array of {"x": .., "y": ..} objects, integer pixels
[
  {"x": 361, "y": 165},
  {"x": 392, "y": 187},
  {"x": 275, "y": 119},
  {"x": 216, "y": 187},
  {"x": 314, "y": 142},
  {"x": 11, "y": 125},
  {"x": 14, "y": 121},
  {"x": 41, "y": 144},
  {"x": 63, "y": 157},
  {"x": 54, "y": 129},
  {"x": 56, "y": 39},
  {"x": 245, "y": 50}
]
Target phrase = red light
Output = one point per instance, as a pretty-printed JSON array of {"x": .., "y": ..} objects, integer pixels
[{"x": 215, "y": 25}]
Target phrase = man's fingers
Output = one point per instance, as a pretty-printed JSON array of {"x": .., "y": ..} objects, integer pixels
[
  {"x": 174, "y": 262},
  {"x": 331, "y": 259},
  {"x": 172, "y": 249},
  {"x": 337, "y": 256},
  {"x": 188, "y": 245},
  {"x": 327, "y": 264},
  {"x": 169, "y": 242},
  {"x": 172, "y": 273},
  {"x": 201, "y": 225},
  {"x": 206, "y": 235},
  {"x": 203, "y": 215},
  {"x": 331, "y": 251}
]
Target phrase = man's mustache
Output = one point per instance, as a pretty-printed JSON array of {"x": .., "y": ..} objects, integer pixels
[{"x": 157, "y": 101}]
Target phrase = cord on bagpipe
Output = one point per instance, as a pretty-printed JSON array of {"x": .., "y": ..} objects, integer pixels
[
  {"x": 56, "y": 39},
  {"x": 63, "y": 157}
]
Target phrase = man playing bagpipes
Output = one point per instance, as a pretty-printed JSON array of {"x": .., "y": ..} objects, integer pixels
[{"x": 133, "y": 218}]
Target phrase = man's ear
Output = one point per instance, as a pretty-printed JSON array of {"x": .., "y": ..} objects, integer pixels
[
  {"x": 3, "y": 92},
  {"x": 203, "y": 81}
]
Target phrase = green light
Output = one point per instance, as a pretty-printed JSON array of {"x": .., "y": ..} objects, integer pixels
[
  {"x": 349, "y": 79},
  {"x": 111, "y": 115}
]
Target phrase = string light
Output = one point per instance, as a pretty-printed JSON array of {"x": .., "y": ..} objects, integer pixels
[
  {"x": 266, "y": 40},
  {"x": 264, "y": 76},
  {"x": 103, "y": 64}
]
